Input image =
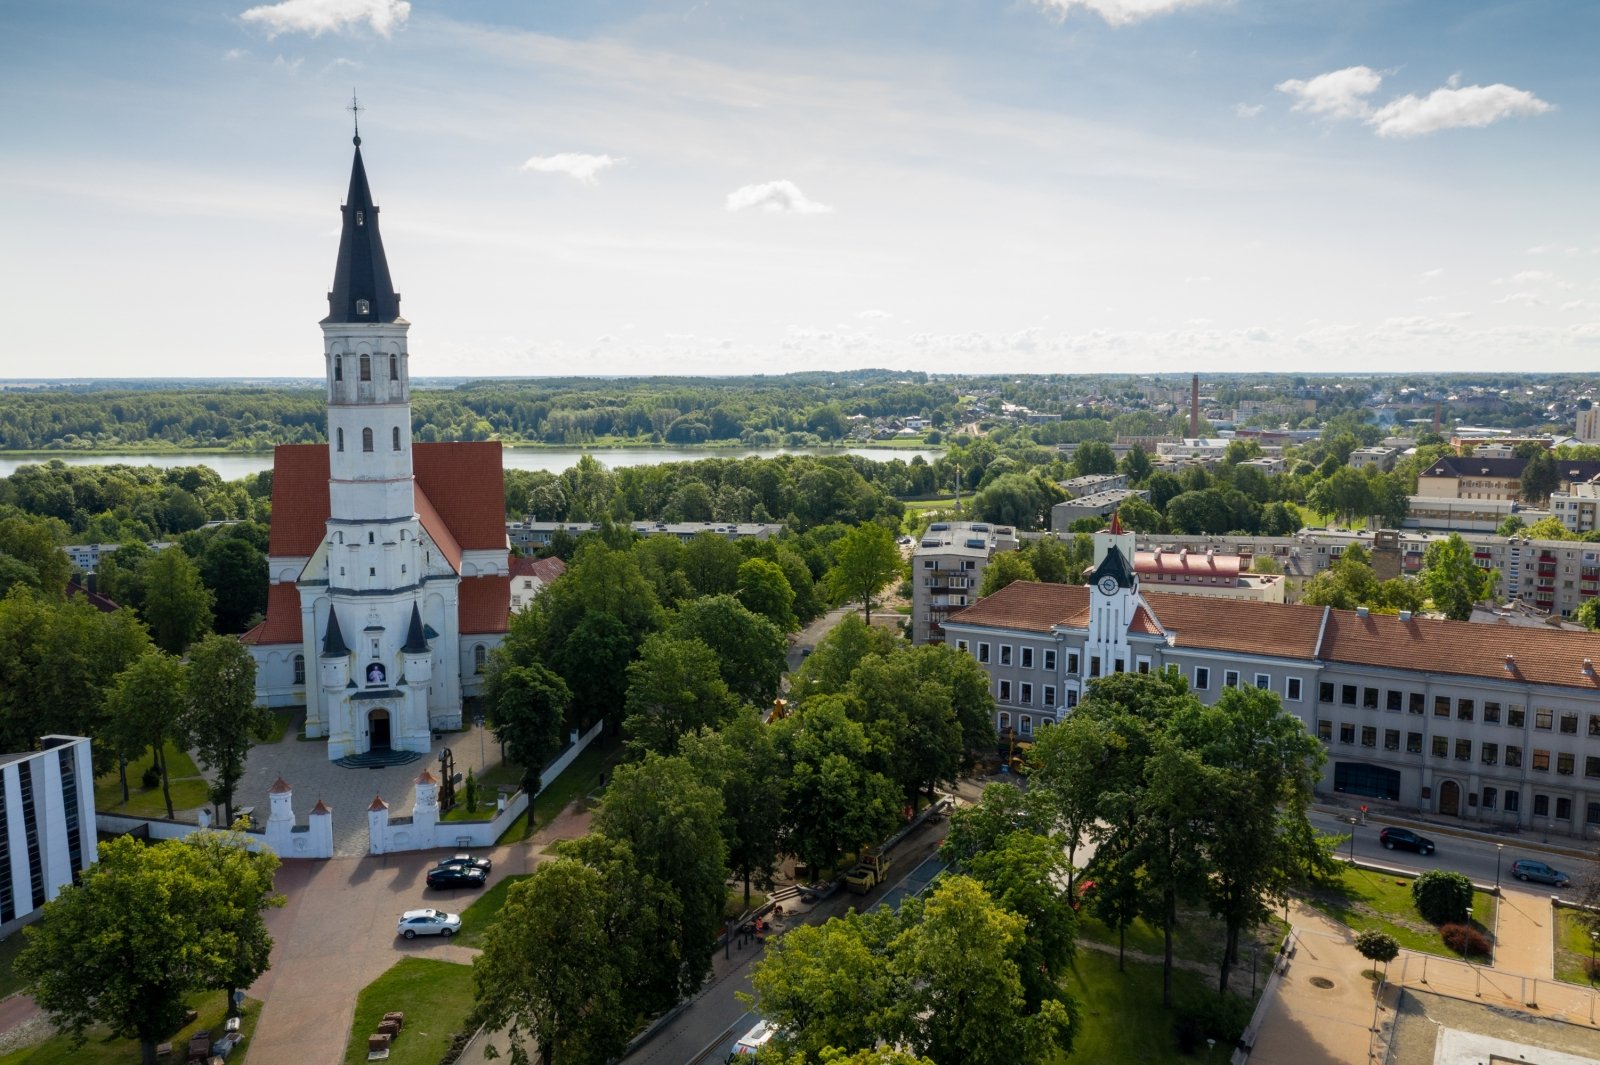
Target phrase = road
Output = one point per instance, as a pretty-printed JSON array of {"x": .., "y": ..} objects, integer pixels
[{"x": 1475, "y": 858}]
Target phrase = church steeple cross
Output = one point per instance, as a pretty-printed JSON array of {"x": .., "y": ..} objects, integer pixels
[{"x": 355, "y": 110}]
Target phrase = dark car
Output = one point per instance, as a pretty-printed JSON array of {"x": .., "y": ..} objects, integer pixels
[
  {"x": 454, "y": 876},
  {"x": 1528, "y": 869},
  {"x": 468, "y": 861},
  {"x": 1406, "y": 840}
]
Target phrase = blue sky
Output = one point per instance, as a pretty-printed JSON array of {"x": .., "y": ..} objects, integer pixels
[{"x": 724, "y": 187}]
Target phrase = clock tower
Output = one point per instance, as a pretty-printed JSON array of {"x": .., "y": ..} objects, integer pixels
[{"x": 1113, "y": 601}]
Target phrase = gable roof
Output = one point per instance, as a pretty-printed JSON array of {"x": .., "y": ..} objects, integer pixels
[
  {"x": 282, "y": 624},
  {"x": 485, "y": 604},
  {"x": 1313, "y": 633},
  {"x": 1475, "y": 466}
]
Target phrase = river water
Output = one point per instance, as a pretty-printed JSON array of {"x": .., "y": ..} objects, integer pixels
[{"x": 232, "y": 466}]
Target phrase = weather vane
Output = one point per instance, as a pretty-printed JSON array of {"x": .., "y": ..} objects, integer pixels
[{"x": 355, "y": 110}]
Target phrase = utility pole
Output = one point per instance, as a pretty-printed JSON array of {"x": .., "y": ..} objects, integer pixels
[{"x": 958, "y": 489}]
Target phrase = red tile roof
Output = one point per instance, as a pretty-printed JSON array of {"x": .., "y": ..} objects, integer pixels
[
  {"x": 299, "y": 499},
  {"x": 437, "y": 530},
  {"x": 1191, "y": 563},
  {"x": 1203, "y": 621},
  {"x": 485, "y": 604},
  {"x": 546, "y": 569},
  {"x": 466, "y": 484},
  {"x": 283, "y": 617},
  {"x": 1536, "y": 656},
  {"x": 321, "y": 808},
  {"x": 279, "y": 787}
]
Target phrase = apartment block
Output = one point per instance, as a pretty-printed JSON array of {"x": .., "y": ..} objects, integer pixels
[{"x": 946, "y": 569}]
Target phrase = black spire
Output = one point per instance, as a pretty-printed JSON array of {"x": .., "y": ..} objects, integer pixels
[
  {"x": 362, "y": 291},
  {"x": 333, "y": 641},
  {"x": 1114, "y": 565},
  {"x": 416, "y": 642}
]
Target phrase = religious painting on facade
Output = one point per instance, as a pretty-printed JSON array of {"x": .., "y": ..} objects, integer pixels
[{"x": 376, "y": 674}]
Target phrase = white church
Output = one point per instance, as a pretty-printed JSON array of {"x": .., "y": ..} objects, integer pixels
[{"x": 389, "y": 567}]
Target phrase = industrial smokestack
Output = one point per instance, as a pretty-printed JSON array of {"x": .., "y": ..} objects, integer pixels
[{"x": 1194, "y": 407}]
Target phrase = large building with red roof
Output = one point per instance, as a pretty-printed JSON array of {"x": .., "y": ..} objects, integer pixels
[
  {"x": 389, "y": 567},
  {"x": 1491, "y": 723}
]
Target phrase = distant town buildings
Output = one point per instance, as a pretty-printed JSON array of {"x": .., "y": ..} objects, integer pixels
[
  {"x": 530, "y": 576},
  {"x": 1096, "y": 505},
  {"x": 532, "y": 536}
]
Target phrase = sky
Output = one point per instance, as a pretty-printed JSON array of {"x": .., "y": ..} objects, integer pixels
[{"x": 744, "y": 186}]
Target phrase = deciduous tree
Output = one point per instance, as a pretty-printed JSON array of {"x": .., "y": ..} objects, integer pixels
[
  {"x": 865, "y": 560},
  {"x": 177, "y": 605},
  {"x": 221, "y": 717},
  {"x": 145, "y": 709},
  {"x": 673, "y": 688},
  {"x": 527, "y": 705},
  {"x": 749, "y": 650},
  {"x": 1452, "y": 579}
]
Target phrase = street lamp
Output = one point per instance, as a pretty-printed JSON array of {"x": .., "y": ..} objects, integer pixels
[
  {"x": 1499, "y": 849},
  {"x": 1594, "y": 940},
  {"x": 1352, "y": 845}
]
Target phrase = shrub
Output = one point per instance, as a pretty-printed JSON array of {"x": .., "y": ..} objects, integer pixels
[
  {"x": 150, "y": 779},
  {"x": 1209, "y": 1016},
  {"x": 1465, "y": 940},
  {"x": 472, "y": 793},
  {"x": 1376, "y": 945},
  {"x": 1442, "y": 898}
]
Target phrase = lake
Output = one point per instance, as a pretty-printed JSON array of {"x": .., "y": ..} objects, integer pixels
[{"x": 232, "y": 466}]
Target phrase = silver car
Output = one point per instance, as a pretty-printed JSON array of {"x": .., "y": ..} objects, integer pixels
[
  {"x": 1528, "y": 869},
  {"x": 414, "y": 923}
]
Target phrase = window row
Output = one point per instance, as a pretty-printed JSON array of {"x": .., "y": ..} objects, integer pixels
[
  {"x": 1513, "y": 715},
  {"x": 1565, "y": 764},
  {"x": 1024, "y": 723},
  {"x": 364, "y": 369},
  {"x": 366, "y": 439},
  {"x": 1232, "y": 678},
  {"x": 1025, "y": 693}
]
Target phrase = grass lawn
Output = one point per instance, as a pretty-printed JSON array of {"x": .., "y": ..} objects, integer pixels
[
  {"x": 1383, "y": 901},
  {"x": 105, "y": 1049},
  {"x": 1199, "y": 937},
  {"x": 582, "y": 777},
  {"x": 476, "y": 918},
  {"x": 435, "y": 996},
  {"x": 735, "y": 905},
  {"x": 280, "y": 725},
  {"x": 189, "y": 789},
  {"x": 1573, "y": 947},
  {"x": 1122, "y": 1015}
]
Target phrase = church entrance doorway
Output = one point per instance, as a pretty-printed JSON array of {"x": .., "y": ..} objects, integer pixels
[
  {"x": 378, "y": 728},
  {"x": 1450, "y": 798}
]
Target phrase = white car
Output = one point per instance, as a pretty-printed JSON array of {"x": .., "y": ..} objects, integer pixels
[{"x": 414, "y": 923}]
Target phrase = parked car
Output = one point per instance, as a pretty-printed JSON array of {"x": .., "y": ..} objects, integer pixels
[
  {"x": 1405, "y": 839},
  {"x": 1528, "y": 869},
  {"x": 454, "y": 876},
  {"x": 414, "y": 923},
  {"x": 468, "y": 860}
]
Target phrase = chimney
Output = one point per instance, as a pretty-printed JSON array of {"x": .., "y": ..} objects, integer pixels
[{"x": 1194, "y": 407}]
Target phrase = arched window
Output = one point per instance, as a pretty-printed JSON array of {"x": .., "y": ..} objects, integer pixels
[
  {"x": 396, "y": 438},
  {"x": 363, "y": 307},
  {"x": 339, "y": 437},
  {"x": 480, "y": 658},
  {"x": 366, "y": 440},
  {"x": 394, "y": 367},
  {"x": 366, "y": 367},
  {"x": 338, "y": 367},
  {"x": 299, "y": 669}
]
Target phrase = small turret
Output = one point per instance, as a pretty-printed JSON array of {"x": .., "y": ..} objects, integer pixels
[
  {"x": 419, "y": 657},
  {"x": 335, "y": 655}
]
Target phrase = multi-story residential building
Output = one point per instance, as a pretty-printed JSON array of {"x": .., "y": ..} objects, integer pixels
[
  {"x": 86, "y": 557},
  {"x": 946, "y": 569},
  {"x": 1474, "y": 477},
  {"x": 1097, "y": 505},
  {"x": 530, "y": 536},
  {"x": 530, "y": 576},
  {"x": 1090, "y": 483},
  {"x": 1269, "y": 465},
  {"x": 1382, "y": 458},
  {"x": 1577, "y": 506},
  {"x": 1588, "y": 422},
  {"x": 1486, "y": 723},
  {"x": 47, "y": 829}
]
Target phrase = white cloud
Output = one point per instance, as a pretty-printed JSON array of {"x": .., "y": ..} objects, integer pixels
[
  {"x": 774, "y": 196},
  {"x": 317, "y": 17},
  {"x": 1532, "y": 277},
  {"x": 1524, "y": 298},
  {"x": 1473, "y": 107},
  {"x": 874, "y": 313},
  {"x": 1121, "y": 12},
  {"x": 1580, "y": 305},
  {"x": 1429, "y": 275},
  {"x": 1337, "y": 94},
  {"x": 575, "y": 165},
  {"x": 234, "y": 53},
  {"x": 1248, "y": 110}
]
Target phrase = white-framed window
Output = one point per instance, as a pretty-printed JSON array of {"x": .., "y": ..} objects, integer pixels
[
  {"x": 1005, "y": 721},
  {"x": 1202, "y": 678},
  {"x": 366, "y": 440},
  {"x": 961, "y": 645},
  {"x": 480, "y": 658},
  {"x": 1264, "y": 681},
  {"x": 1026, "y": 659},
  {"x": 1005, "y": 691},
  {"x": 1049, "y": 693},
  {"x": 1005, "y": 654},
  {"x": 299, "y": 669},
  {"x": 1142, "y": 664},
  {"x": 396, "y": 437},
  {"x": 1027, "y": 725},
  {"x": 983, "y": 653},
  {"x": 1027, "y": 694},
  {"x": 1230, "y": 678},
  {"x": 927, "y": 563},
  {"x": 1050, "y": 659},
  {"x": 1072, "y": 663},
  {"x": 1072, "y": 698},
  {"x": 1291, "y": 689},
  {"x": 366, "y": 360}
]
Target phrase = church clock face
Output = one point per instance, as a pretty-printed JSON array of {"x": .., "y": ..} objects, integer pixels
[{"x": 1108, "y": 585}]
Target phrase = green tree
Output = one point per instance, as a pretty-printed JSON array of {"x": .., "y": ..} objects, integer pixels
[
  {"x": 765, "y": 590},
  {"x": 527, "y": 705},
  {"x": 1005, "y": 567},
  {"x": 711, "y": 564},
  {"x": 1511, "y": 526},
  {"x": 865, "y": 560},
  {"x": 177, "y": 605},
  {"x": 34, "y": 542},
  {"x": 1019, "y": 499},
  {"x": 741, "y": 761},
  {"x": 831, "y": 985},
  {"x": 826, "y": 671},
  {"x": 549, "y": 972},
  {"x": 970, "y": 696},
  {"x": 1028, "y": 875},
  {"x": 145, "y": 708},
  {"x": 750, "y": 651},
  {"x": 1442, "y": 897},
  {"x": 235, "y": 573},
  {"x": 221, "y": 718},
  {"x": 1137, "y": 515},
  {"x": 1452, "y": 579},
  {"x": 1551, "y": 528},
  {"x": 1093, "y": 456},
  {"x": 243, "y": 879},
  {"x": 1051, "y": 561},
  {"x": 145, "y": 926},
  {"x": 1588, "y": 614},
  {"x": 1377, "y": 945},
  {"x": 1540, "y": 477},
  {"x": 1136, "y": 465},
  {"x": 673, "y": 688},
  {"x": 672, "y": 820},
  {"x": 834, "y": 802},
  {"x": 910, "y": 719}
]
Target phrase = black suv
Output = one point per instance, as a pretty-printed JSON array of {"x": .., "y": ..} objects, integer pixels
[{"x": 1406, "y": 840}]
